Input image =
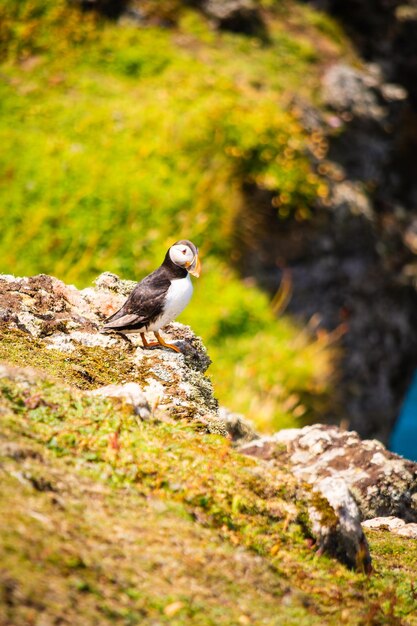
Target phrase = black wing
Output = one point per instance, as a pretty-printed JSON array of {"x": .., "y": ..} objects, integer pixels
[{"x": 143, "y": 306}]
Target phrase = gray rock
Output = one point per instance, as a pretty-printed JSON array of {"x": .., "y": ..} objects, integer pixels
[
  {"x": 352, "y": 264},
  {"x": 348, "y": 89},
  {"x": 235, "y": 15},
  {"x": 335, "y": 523},
  {"x": 392, "y": 524},
  {"x": 110, "y": 281},
  {"x": 239, "y": 428},
  {"x": 392, "y": 92},
  {"x": 132, "y": 393},
  {"x": 226, "y": 9},
  {"x": 381, "y": 482},
  {"x": 349, "y": 198},
  {"x": 332, "y": 514}
]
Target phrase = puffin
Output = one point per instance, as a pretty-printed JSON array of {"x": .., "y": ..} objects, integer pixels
[{"x": 160, "y": 297}]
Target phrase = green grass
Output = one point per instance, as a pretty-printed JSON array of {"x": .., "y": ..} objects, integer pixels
[
  {"x": 116, "y": 141},
  {"x": 126, "y": 523}
]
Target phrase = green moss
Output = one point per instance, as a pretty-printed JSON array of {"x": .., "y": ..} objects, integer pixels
[{"x": 328, "y": 516}]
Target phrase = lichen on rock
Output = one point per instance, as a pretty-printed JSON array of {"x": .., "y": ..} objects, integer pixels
[
  {"x": 336, "y": 523},
  {"x": 381, "y": 482},
  {"x": 392, "y": 524}
]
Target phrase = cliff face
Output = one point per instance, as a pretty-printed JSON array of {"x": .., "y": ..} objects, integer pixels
[
  {"x": 130, "y": 504},
  {"x": 352, "y": 264}
]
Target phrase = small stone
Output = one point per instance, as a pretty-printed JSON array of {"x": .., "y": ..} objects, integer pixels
[
  {"x": 131, "y": 393},
  {"x": 392, "y": 524},
  {"x": 240, "y": 429},
  {"x": 172, "y": 609},
  {"x": 393, "y": 92},
  {"x": 386, "y": 523},
  {"x": 348, "y": 89},
  {"x": 235, "y": 15},
  {"x": 110, "y": 281},
  {"x": 409, "y": 531}
]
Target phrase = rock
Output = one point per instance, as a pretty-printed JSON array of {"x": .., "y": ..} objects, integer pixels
[
  {"x": 371, "y": 110},
  {"x": 228, "y": 9},
  {"x": 382, "y": 31},
  {"x": 333, "y": 516},
  {"x": 108, "y": 294},
  {"x": 349, "y": 199},
  {"x": 394, "y": 525},
  {"x": 348, "y": 89},
  {"x": 130, "y": 392},
  {"x": 363, "y": 93},
  {"x": 111, "y": 282},
  {"x": 335, "y": 523},
  {"x": 408, "y": 530},
  {"x": 352, "y": 264},
  {"x": 381, "y": 482},
  {"x": 386, "y": 523},
  {"x": 240, "y": 429},
  {"x": 242, "y": 16},
  {"x": 68, "y": 320}
]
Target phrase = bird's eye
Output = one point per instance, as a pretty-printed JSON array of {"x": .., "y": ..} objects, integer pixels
[{"x": 184, "y": 251}]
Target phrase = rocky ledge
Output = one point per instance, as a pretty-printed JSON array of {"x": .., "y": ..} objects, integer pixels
[
  {"x": 68, "y": 321},
  {"x": 333, "y": 480}
]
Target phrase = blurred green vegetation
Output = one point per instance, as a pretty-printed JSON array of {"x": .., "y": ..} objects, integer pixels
[{"x": 118, "y": 140}]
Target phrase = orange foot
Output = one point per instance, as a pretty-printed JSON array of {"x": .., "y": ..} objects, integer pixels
[{"x": 160, "y": 342}]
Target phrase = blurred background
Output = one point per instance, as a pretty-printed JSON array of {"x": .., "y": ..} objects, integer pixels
[{"x": 279, "y": 136}]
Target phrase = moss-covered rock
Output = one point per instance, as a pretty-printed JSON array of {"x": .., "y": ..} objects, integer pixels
[{"x": 57, "y": 328}]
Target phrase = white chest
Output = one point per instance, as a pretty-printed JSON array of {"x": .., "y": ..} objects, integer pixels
[{"x": 177, "y": 297}]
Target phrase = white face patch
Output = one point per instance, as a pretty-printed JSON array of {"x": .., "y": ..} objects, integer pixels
[{"x": 181, "y": 254}]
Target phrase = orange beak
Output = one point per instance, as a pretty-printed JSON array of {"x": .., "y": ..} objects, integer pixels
[{"x": 195, "y": 268}]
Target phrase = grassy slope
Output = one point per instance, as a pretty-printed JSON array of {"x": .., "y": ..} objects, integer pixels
[
  {"x": 117, "y": 140},
  {"x": 127, "y": 523}
]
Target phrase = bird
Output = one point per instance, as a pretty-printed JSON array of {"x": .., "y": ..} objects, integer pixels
[{"x": 159, "y": 297}]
